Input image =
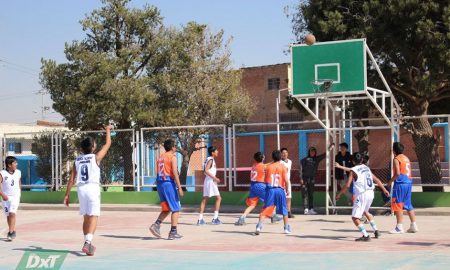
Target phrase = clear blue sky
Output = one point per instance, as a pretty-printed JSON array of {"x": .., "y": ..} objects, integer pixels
[{"x": 31, "y": 30}]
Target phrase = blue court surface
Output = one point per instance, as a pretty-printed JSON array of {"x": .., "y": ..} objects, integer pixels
[{"x": 317, "y": 242}]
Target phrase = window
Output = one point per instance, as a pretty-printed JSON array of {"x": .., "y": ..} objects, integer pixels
[
  {"x": 273, "y": 83},
  {"x": 18, "y": 148},
  {"x": 14, "y": 147}
]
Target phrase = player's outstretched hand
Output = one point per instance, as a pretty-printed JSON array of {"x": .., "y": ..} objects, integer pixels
[
  {"x": 4, "y": 197},
  {"x": 217, "y": 179},
  {"x": 180, "y": 192},
  {"x": 66, "y": 200},
  {"x": 108, "y": 127},
  {"x": 386, "y": 193},
  {"x": 338, "y": 196}
]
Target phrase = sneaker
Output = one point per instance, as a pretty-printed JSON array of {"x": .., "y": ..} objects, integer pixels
[
  {"x": 363, "y": 239},
  {"x": 377, "y": 234},
  {"x": 88, "y": 248},
  {"x": 216, "y": 221},
  {"x": 396, "y": 231},
  {"x": 240, "y": 222},
  {"x": 275, "y": 219},
  {"x": 174, "y": 236},
  {"x": 258, "y": 228},
  {"x": 287, "y": 229},
  {"x": 85, "y": 247},
  {"x": 412, "y": 229},
  {"x": 312, "y": 212},
  {"x": 290, "y": 215},
  {"x": 9, "y": 236},
  {"x": 13, "y": 235},
  {"x": 201, "y": 222},
  {"x": 154, "y": 229},
  {"x": 306, "y": 212}
]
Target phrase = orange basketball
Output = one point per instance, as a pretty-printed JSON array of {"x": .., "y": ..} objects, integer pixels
[{"x": 310, "y": 39}]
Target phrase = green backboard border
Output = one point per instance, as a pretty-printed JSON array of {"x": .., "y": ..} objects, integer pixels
[{"x": 303, "y": 89}]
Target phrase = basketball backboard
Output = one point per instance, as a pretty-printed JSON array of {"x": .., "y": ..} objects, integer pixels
[{"x": 341, "y": 62}]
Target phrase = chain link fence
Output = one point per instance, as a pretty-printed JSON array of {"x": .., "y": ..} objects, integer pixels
[
  {"x": 118, "y": 168},
  {"x": 36, "y": 157},
  {"x": 426, "y": 141},
  {"x": 46, "y": 158},
  {"x": 263, "y": 137},
  {"x": 192, "y": 143}
]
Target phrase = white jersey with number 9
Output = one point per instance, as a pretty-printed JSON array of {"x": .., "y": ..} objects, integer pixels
[{"x": 87, "y": 169}]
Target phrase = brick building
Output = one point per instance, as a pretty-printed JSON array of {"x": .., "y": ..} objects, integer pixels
[{"x": 263, "y": 83}]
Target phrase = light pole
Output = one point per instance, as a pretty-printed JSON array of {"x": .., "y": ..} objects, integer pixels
[
  {"x": 278, "y": 100},
  {"x": 44, "y": 109}
]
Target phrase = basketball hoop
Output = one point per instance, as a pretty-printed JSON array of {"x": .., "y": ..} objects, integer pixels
[{"x": 322, "y": 88}]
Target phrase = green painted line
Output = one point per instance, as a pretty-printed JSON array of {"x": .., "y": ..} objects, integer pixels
[{"x": 420, "y": 199}]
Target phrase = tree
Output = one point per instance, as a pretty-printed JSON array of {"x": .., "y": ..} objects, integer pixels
[
  {"x": 107, "y": 74},
  {"x": 410, "y": 40},
  {"x": 133, "y": 70},
  {"x": 199, "y": 88}
]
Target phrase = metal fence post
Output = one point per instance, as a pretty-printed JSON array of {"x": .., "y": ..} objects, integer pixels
[{"x": 229, "y": 160}]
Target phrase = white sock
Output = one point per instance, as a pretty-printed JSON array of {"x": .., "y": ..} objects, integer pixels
[
  {"x": 362, "y": 229},
  {"x": 200, "y": 216},
  {"x": 216, "y": 214},
  {"x": 88, "y": 237},
  {"x": 400, "y": 227},
  {"x": 243, "y": 216},
  {"x": 413, "y": 224}
]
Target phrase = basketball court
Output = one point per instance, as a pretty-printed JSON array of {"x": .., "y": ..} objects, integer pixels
[{"x": 321, "y": 242}]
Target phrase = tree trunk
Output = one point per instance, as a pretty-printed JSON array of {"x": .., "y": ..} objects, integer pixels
[
  {"x": 184, "y": 167},
  {"x": 426, "y": 148},
  {"x": 362, "y": 136},
  {"x": 360, "y": 111},
  {"x": 127, "y": 154}
]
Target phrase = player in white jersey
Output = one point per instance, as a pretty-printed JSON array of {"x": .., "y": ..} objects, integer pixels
[
  {"x": 210, "y": 188},
  {"x": 288, "y": 164},
  {"x": 10, "y": 193},
  {"x": 363, "y": 185},
  {"x": 86, "y": 174}
]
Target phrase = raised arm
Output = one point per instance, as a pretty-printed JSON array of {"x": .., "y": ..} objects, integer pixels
[
  {"x": 323, "y": 155},
  {"x": 102, "y": 153},
  {"x": 70, "y": 184}
]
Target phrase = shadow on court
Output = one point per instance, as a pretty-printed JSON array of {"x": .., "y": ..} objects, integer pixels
[
  {"x": 327, "y": 221},
  {"x": 369, "y": 231},
  {"x": 41, "y": 249},
  {"x": 336, "y": 238},
  {"x": 424, "y": 244},
  {"x": 130, "y": 237},
  {"x": 236, "y": 232}
]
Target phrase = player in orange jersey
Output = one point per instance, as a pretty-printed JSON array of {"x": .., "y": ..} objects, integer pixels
[
  {"x": 257, "y": 187},
  {"x": 169, "y": 190},
  {"x": 277, "y": 188},
  {"x": 401, "y": 191}
]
